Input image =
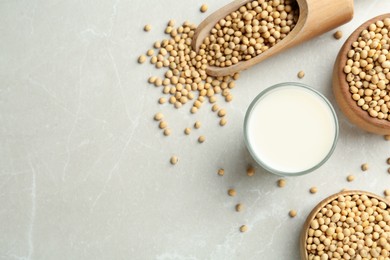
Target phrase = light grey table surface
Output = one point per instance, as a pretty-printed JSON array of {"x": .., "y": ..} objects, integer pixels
[{"x": 84, "y": 170}]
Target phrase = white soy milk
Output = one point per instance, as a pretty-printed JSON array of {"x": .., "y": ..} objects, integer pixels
[{"x": 291, "y": 129}]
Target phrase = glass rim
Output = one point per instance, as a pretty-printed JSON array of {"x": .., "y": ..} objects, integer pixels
[{"x": 249, "y": 112}]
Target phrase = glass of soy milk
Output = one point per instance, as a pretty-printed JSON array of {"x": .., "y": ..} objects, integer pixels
[{"x": 290, "y": 129}]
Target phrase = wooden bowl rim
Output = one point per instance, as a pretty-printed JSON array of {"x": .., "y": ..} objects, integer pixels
[
  {"x": 341, "y": 76},
  {"x": 320, "y": 205}
]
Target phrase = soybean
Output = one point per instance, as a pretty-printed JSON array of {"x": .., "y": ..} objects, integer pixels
[
  {"x": 204, "y": 8},
  {"x": 141, "y": 59},
  {"x": 187, "y": 131},
  {"x": 147, "y": 28},
  {"x": 197, "y": 125},
  {"x": 281, "y": 183},
  {"x": 174, "y": 159},
  {"x": 292, "y": 213},
  {"x": 243, "y": 228},
  {"x": 158, "y": 116},
  {"x": 338, "y": 35},
  {"x": 250, "y": 171},
  {"x": 223, "y": 121},
  {"x": 232, "y": 192}
]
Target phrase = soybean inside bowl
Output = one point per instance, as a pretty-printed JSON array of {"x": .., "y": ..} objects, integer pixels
[{"x": 290, "y": 129}]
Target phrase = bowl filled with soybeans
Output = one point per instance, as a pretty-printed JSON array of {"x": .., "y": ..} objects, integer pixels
[
  {"x": 361, "y": 76},
  {"x": 347, "y": 225}
]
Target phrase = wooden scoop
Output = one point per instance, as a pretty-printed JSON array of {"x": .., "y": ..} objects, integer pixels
[{"x": 315, "y": 17}]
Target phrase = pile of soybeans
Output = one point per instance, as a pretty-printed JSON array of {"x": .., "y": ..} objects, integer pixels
[
  {"x": 241, "y": 35},
  {"x": 250, "y": 31},
  {"x": 368, "y": 70},
  {"x": 352, "y": 226}
]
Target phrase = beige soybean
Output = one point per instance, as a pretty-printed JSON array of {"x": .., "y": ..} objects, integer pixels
[
  {"x": 232, "y": 192},
  {"x": 228, "y": 98},
  {"x": 281, "y": 183},
  {"x": 197, "y": 125},
  {"x": 174, "y": 160},
  {"x": 167, "y": 131},
  {"x": 239, "y": 207},
  {"x": 162, "y": 100},
  {"x": 158, "y": 116},
  {"x": 178, "y": 104},
  {"x": 338, "y": 35},
  {"x": 147, "y": 28},
  {"x": 223, "y": 121},
  {"x": 204, "y": 8},
  {"x": 244, "y": 228},
  {"x": 163, "y": 125},
  {"x": 301, "y": 74},
  {"x": 221, "y": 112},
  {"x": 141, "y": 59},
  {"x": 201, "y": 139},
  {"x": 221, "y": 172},
  {"x": 193, "y": 110},
  {"x": 158, "y": 82},
  {"x": 152, "y": 79},
  {"x": 153, "y": 60},
  {"x": 292, "y": 213},
  {"x": 150, "y": 52},
  {"x": 187, "y": 131},
  {"x": 250, "y": 171}
]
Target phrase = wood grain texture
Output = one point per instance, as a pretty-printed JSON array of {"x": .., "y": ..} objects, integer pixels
[
  {"x": 313, "y": 213},
  {"x": 315, "y": 17},
  {"x": 348, "y": 106}
]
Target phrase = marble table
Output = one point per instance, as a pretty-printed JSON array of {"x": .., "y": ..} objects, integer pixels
[{"x": 84, "y": 169}]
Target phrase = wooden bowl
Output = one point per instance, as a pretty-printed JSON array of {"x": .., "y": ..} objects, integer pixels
[
  {"x": 313, "y": 213},
  {"x": 354, "y": 113}
]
